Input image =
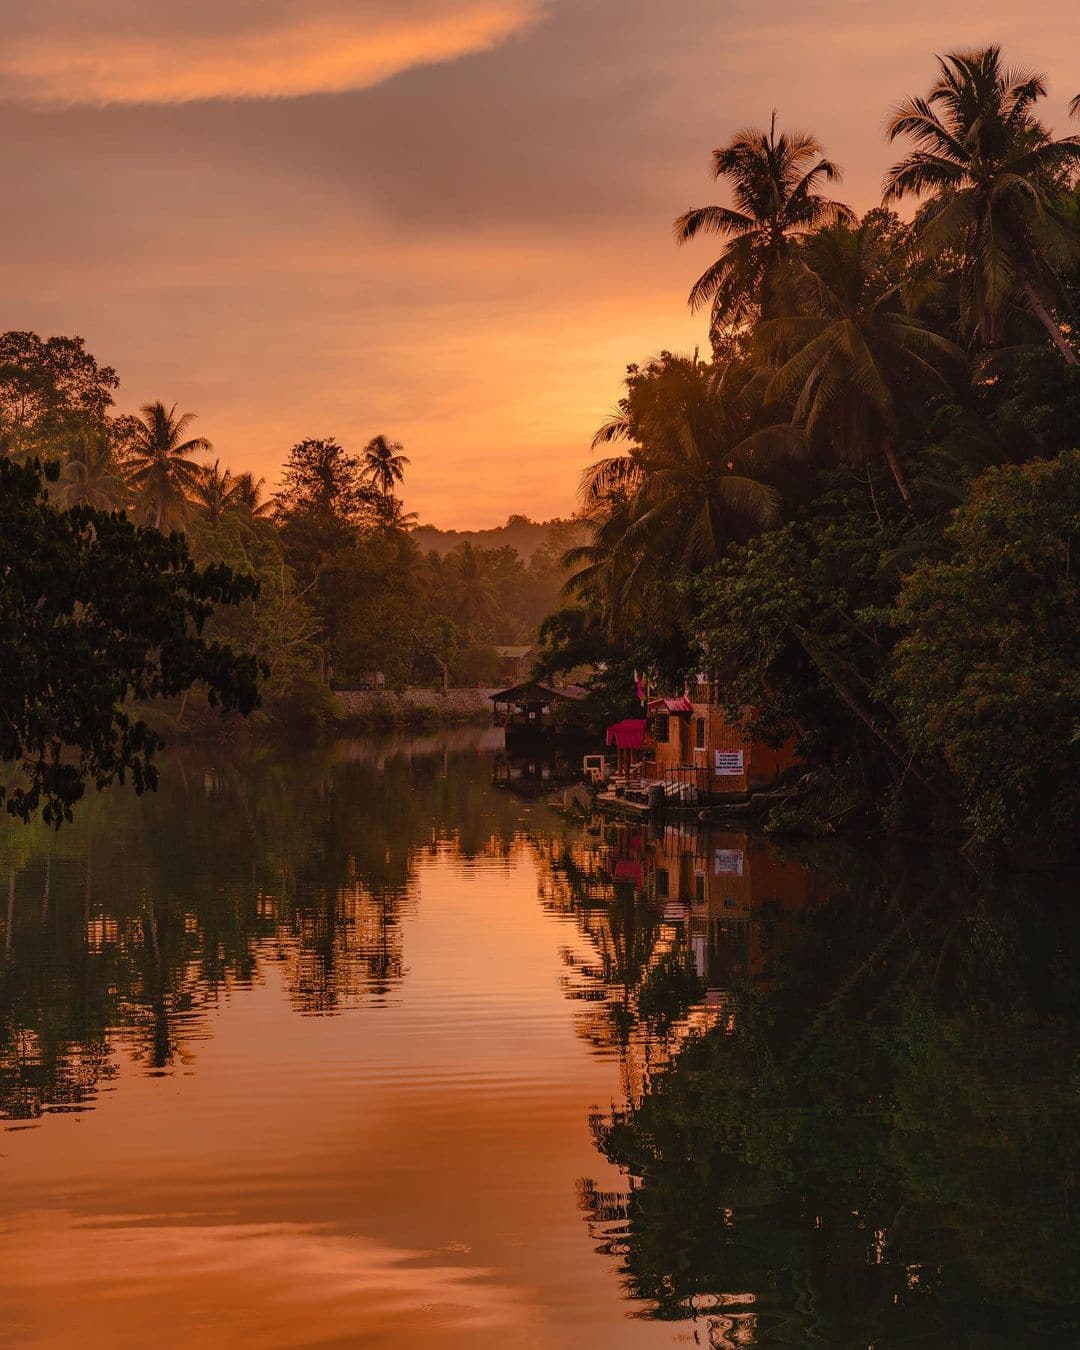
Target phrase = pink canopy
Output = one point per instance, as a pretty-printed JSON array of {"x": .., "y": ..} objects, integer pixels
[
  {"x": 671, "y": 705},
  {"x": 628, "y": 734}
]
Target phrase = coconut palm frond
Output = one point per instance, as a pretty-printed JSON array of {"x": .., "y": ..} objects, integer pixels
[
  {"x": 616, "y": 473},
  {"x": 160, "y": 466},
  {"x": 774, "y": 179},
  {"x": 616, "y": 428},
  {"x": 711, "y": 220},
  {"x": 994, "y": 178}
]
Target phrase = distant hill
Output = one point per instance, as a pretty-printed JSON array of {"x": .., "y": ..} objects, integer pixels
[{"x": 519, "y": 532}]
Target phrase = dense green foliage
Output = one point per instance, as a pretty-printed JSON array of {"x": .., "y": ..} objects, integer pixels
[
  {"x": 860, "y": 514},
  {"x": 987, "y": 669},
  {"x": 95, "y": 611}
]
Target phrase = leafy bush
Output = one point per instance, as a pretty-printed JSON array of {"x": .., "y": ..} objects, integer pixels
[{"x": 987, "y": 671}]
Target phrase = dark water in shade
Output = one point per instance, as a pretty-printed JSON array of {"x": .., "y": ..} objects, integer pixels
[{"x": 366, "y": 1046}]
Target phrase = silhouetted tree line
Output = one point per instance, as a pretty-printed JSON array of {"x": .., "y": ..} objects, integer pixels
[
  {"x": 861, "y": 513},
  {"x": 343, "y": 591}
]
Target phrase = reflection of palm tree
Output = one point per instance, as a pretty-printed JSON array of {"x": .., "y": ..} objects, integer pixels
[
  {"x": 774, "y": 182},
  {"x": 9, "y": 927},
  {"x": 997, "y": 179},
  {"x": 157, "y": 995},
  {"x": 161, "y": 468}
]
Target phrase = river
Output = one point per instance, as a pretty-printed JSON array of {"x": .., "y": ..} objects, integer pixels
[{"x": 365, "y": 1045}]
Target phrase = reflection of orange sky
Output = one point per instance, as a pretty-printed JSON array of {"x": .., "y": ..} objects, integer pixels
[
  {"x": 245, "y": 1286},
  {"x": 397, "y": 1176},
  {"x": 463, "y": 257}
]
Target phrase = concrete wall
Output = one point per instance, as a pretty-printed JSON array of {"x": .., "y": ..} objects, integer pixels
[{"x": 457, "y": 705}]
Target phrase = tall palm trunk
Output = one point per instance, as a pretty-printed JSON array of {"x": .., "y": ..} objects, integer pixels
[
  {"x": 1057, "y": 337},
  {"x": 897, "y": 472}
]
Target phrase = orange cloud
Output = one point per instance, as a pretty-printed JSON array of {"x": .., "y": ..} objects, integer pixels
[{"x": 71, "y": 55}]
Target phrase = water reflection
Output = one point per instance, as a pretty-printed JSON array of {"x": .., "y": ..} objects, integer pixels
[
  {"x": 863, "y": 1131},
  {"x": 677, "y": 919},
  {"x": 376, "y": 1019},
  {"x": 537, "y": 773},
  {"x": 125, "y": 928}
]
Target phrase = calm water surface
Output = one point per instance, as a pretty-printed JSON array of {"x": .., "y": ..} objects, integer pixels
[{"x": 368, "y": 1046}]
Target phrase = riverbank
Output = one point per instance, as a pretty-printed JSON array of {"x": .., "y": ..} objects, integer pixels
[
  {"x": 373, "y": 708},
  {"x": 321, "y": 710}
]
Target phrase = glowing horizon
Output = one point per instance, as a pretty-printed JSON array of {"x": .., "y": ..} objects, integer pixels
[{"x": 448, "y": 221}]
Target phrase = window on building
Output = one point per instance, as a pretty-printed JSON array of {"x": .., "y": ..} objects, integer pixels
[
  {"x": 699, "y": 734},
  {"x": 660, "y": 729},
  {"x": 662, "y": 883},
  {"x": 699, "y": 888}
]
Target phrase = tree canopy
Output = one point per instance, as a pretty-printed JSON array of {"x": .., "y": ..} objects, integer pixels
[
  {"x": 857, "y": 516},
  {"x": 94, "y": 613}
]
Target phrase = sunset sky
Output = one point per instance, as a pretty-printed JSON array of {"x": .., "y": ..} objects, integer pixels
[{"x": 444, "y": 220}]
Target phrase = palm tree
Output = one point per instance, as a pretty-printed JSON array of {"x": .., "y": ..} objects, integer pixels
[
  {"x": 603, "y": 570},
  {"x": 160, "y": 466},
  {"x": 249, "y": 494},
  {"x": 91, "y": 475},
  {"x": 384, "y": 464},
  {"x": 392, "y": 515},
  {"x": 471, "y": 587},
  {"x": 696, "y": 492},
  {"x": 852, "y": 344},
  {"x": 997, "y": 180},
  {"x": 689, "y": 485},
  {"x": 215, "y": 491},
  {"x": 774, "y": 183}
]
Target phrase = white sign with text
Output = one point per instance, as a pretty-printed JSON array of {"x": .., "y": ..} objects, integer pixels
[{"x": 729, "y": 763}]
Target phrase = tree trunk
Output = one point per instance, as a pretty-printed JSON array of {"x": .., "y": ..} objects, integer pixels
[
  {"x": 848, "y": 698},
  {"x": 1057, "y": 337},
  {"x": 897, "y": 473}
]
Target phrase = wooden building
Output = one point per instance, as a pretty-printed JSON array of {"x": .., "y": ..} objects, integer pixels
[
  {"x": 695, "y": 749},
  {"x": 525, "y": 710},
  {"x": 515, "y": 663}
]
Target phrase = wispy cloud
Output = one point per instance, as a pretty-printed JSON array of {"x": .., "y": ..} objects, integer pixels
[{"x": 97, "y": 52}]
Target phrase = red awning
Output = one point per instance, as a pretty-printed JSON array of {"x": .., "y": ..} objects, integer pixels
[
  {"x": 628, "y": 871},
  {"x": 627, "y": 735},
  {"x": 676, "y": 706}
]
